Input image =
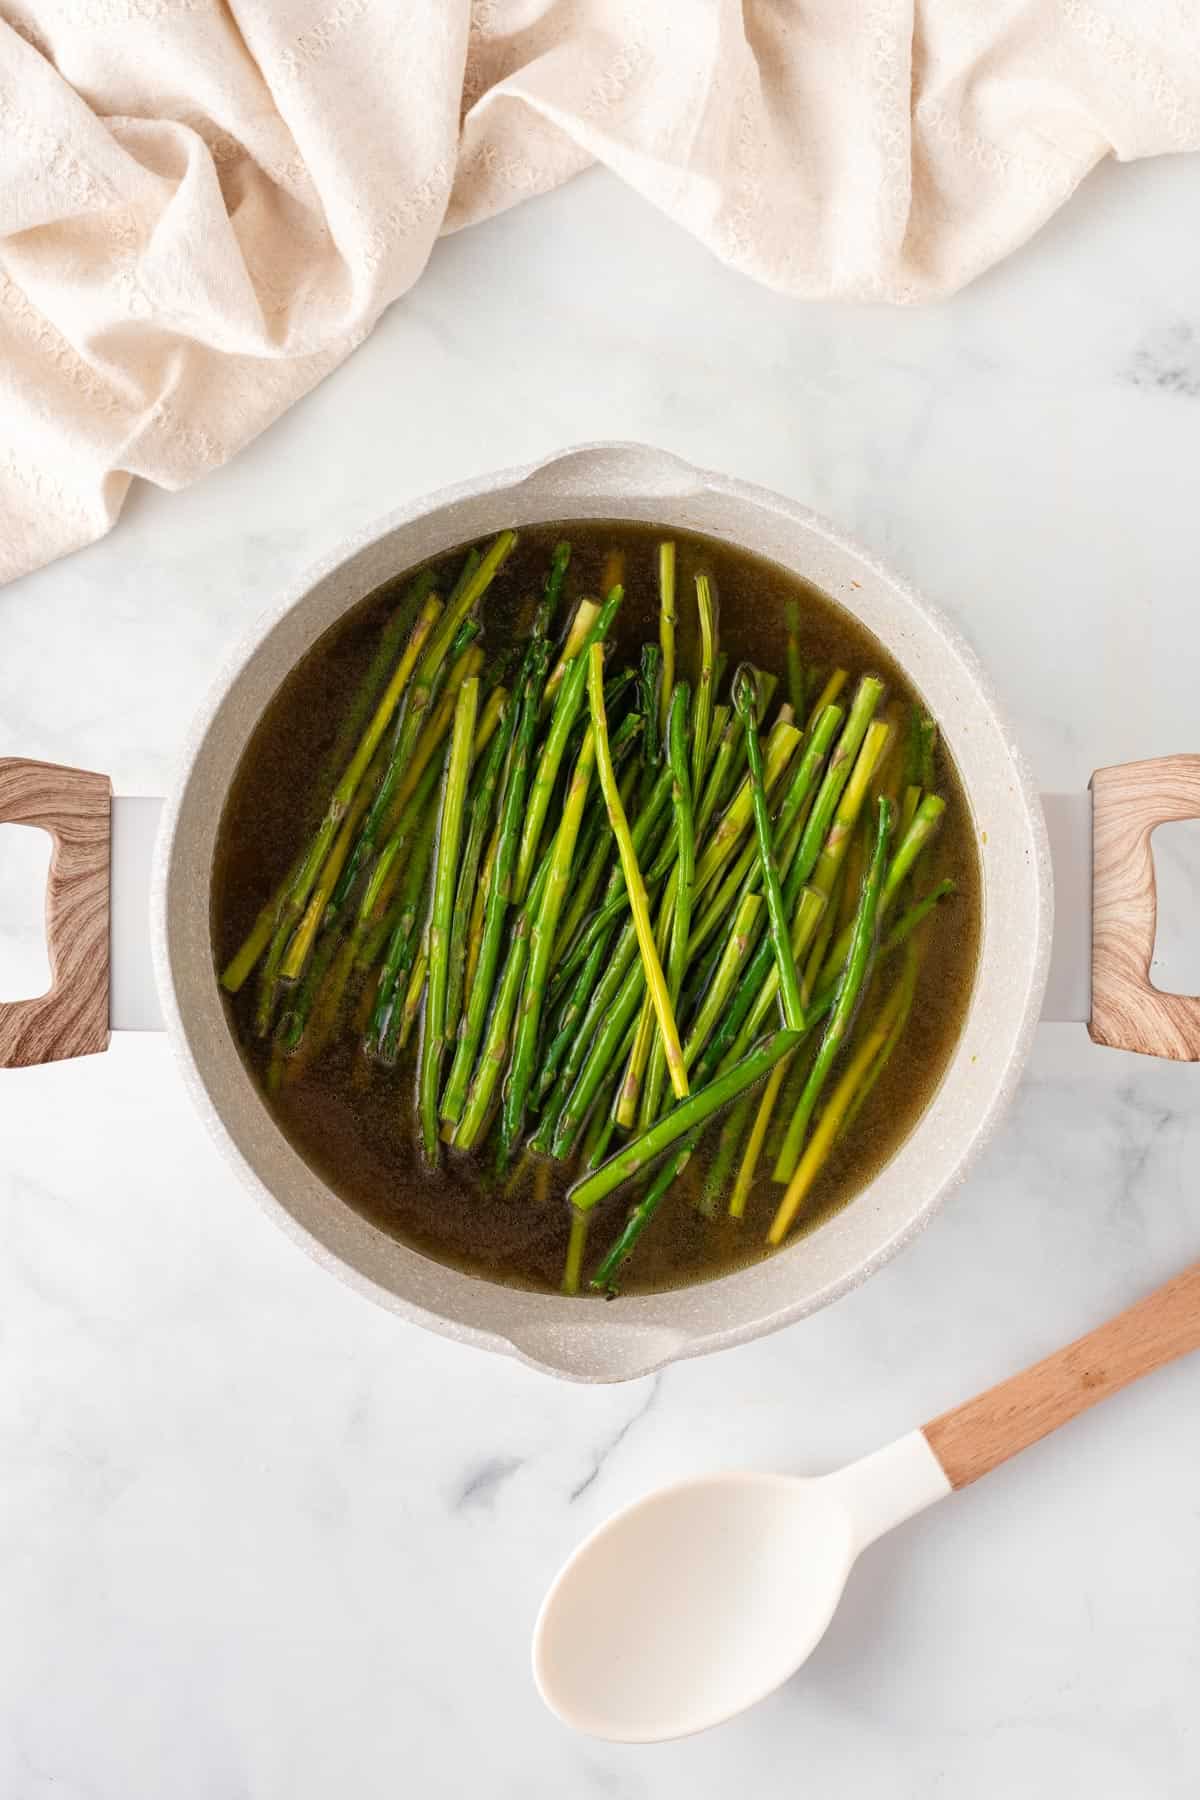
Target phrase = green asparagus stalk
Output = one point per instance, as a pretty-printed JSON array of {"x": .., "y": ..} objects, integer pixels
[
  {"x": 586, "y": 614},
  {"x": 493, "y": 1058},
  {"x": 541, "y": 944},
  {"x": 639, "y": 905},
  {"x": 565, "y": 1034},
  {"x": 500, "y": 891},
  {"x": 925, "y": 823},
  {"x": 828, "y": 694},
  {"x": 483, "y": 800},
  {"x": 871, "y": 1068},
  {"x": 447, "y": 640},
  {"x": 734, "y": 1129},
  {"x": 779, "y": 925},
  {"x": 402, "y": 940},
  {"x": 649, "y": 681},
  {"x": 643, "y": 1040},
  {"x": 702, "y": 712},
  {"x": 576, "y": 1249},
  {"x": 685, "y": 868},
  {"x": 716, "y": 995},
  {"x": 735, "y": 821},
  {"x": 604, "y": 1281},
  {"x": 748, "y": 1167},
  {"x": 381, "y": 665},
  {"x": 874, "y": 1050},
  {"x": 728, "y": 747},
  {"x": 434, "y": 703},
  {"x": 566, "y": 708},
  {"x": 666, "y": 628},
  {"x": 615, "y": 900},
  {"x": 745, "y": 873},
  {"x": 716, "y": 1179},
  {"x": 760, "y": 984},
  {"x": 795, "y": 662},
  {"x": 692, "y": 1112},
  {"x": 600, "y": 1050},
  {"x": 858, "y": 966},
  {"x": 454, "y": 800},
  {"x": 600, "y": 858},
  {"x": 597, "y": 1007},
  {"x": 412, "y": 998},
  {"x": 345, "y": 799}
]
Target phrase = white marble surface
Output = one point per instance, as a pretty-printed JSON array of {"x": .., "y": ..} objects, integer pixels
[{"x": 259, "y": 1541}]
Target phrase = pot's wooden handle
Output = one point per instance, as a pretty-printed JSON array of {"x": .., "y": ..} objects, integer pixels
[
  {"x": 73, "y": 805},
  {"x": 1128, "y": 1011},
  {"x": 985, "y": 1432}
]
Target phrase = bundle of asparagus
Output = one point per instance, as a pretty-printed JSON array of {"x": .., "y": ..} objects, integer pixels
[{"x": 594, "y": 884}]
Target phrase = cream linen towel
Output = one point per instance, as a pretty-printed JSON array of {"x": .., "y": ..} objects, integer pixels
[{"x": 205, "y": 207}]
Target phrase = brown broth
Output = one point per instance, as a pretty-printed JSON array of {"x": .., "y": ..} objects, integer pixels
[{"x": 353, "y": 1123}]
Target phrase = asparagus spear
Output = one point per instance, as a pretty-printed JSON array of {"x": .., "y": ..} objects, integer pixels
[
  {"x": 666, "y": 628},
  {"x": 566, "y": 708},
  {"x": 649, "y": 681},
  {"x": 586, "y": 614},
  {"x": 828, "y": 694},
  {"x": 737, "y": 817},
  {"x": 744, "y": 695},
  {"x": 342, "y": 802},
  {"x": 380, "y": 667},
  {"x": 858, "y": 966},
  {"x": 565, "y": 1033},
  {"x": 576, "y": 1246},
  {"x": 924, "y": 824},
  {"x": 476, "y": 1113},
  {"x": 477, "y": 575},
  {"x": 482, "y": 802},
  {"x": 500, "y": 893},
  {"x": 702, "y": 715},
  {"x": 760, "y": 984},
  {"x": 720, "y": 1057},
  {"x": 616, "y": 896},
  {"x": 454, "y": 799},
  {"x": 758, "y": 1133},
  {"x": 601, "y": 1048},
  {"x": 721, "y": 764},
  {"x": 692, "y": 1112},
  {"x": 644, "y": 1036},
  {"x": 420, "y": 731},
  {"x": 541, "y": 944},
  {"x": 795, "y": 663},
  {"x": 595, "y": 1017},
  {"x": 871, "y": 1068},
  {"x": 604, "y": 1281},
  {"x": 412, "y": 997},
  {"x": 600, "y": 856},
  {"x": 639, "y": 905},
  {"x": 717, "y": 1178},
  {"x": 733, "y": 956},
  {"x": 685, "y": 868},
  {"x": 745, "y": 873}
]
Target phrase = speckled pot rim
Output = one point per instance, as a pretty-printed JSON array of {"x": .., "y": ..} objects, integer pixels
[{"x": 584, "y": 1340}]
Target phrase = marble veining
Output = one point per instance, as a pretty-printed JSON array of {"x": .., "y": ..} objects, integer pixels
[
  {"x": 260, "y": 1541},
  {"x": 1168, "y": 359}
]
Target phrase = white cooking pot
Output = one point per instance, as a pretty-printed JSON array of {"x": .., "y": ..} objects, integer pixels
[{"x": 592, "y": 1341}]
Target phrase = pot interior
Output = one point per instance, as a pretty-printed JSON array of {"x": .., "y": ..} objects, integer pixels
[
  {"x": 573, "y": 1337},
  {"x": 355, "y": 1122}
]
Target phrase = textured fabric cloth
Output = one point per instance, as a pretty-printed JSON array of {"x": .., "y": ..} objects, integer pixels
[{"x": 204, "y": 207}]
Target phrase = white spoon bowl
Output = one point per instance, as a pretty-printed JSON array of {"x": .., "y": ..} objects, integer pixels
[{"x": 701, "y": 1599}]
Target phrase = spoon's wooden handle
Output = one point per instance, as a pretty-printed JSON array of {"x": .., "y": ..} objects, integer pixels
[{"x": 986, "y": 1431}]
